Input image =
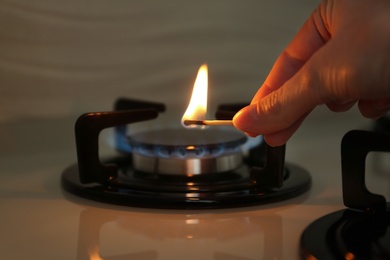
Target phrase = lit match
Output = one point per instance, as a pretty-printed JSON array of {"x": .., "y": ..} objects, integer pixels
[
  {"x": 197, "y": 107},
  {"x": 189, "y": 122}
]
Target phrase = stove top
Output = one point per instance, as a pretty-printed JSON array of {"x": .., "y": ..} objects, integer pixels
[
  {"x": 363, "y": 230},
  {"x": 79, "y": 228},
  {"x": 177, "y": 169}
]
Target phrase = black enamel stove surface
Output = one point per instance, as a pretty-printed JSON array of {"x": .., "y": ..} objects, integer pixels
[{"x": 263, "y": 178}]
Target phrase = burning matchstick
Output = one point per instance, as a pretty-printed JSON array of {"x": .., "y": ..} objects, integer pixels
[{"x": 208, "y": 122}]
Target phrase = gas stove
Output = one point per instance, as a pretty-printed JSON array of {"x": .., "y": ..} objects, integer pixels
[
  {"x": 63, "y": 58},
  {"x": 363, "y": 230},
  {"x": 178, "y": 168},
  {"x": 185, "y": 169},
  {"x": 38, "y": 210}
]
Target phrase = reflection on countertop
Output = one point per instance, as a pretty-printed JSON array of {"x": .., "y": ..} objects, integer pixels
[{"x": 162, "y": 235}]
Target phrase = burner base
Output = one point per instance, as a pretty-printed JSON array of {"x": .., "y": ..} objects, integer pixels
[
  {"x": 233, "y": 190},
  {"x": 348, "y": 234}
]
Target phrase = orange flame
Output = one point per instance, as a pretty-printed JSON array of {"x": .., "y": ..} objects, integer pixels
[
  {"x": 94, "y": 253},
  {"x": 197, "y": 107}
]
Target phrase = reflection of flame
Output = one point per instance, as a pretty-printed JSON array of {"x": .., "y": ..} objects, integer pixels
[
  {"x": 197, "y": 107},
  {"x": 94, "y": 254}
]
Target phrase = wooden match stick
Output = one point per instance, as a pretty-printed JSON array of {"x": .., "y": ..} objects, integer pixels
[{"x": 209, "y": 122}]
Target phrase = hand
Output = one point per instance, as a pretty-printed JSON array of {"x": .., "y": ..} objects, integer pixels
[{"x": 339, "y": 57}]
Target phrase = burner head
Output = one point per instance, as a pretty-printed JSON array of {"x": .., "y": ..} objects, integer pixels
[{"x": 187, "y": 152}]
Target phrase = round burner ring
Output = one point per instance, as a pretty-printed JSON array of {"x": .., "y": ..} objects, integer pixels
[
  {"x": 217, "y": 191},
  {"x": 187, "y": 152}
]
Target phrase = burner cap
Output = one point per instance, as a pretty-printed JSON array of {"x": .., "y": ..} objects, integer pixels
[{"x": 187, "y": 151}]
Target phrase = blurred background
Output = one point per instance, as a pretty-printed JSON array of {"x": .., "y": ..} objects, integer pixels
[{"x": 62, "y": 58}]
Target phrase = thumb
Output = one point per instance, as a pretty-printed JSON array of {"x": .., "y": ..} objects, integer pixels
[
  {"x": 326, "y": 77},
  {"x": 285, "y": 99},
  {"x": 334, "y": 71},
  {"x": 279, "y": 114}
]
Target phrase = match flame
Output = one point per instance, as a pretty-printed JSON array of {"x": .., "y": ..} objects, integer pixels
[
  {"x": 94, "y": 253},
  {"x": 197, "y": 107}
]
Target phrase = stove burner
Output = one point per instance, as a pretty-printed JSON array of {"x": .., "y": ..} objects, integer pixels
[
  {"x": 233, "y": 189},
  {"x": 348, "y": 234},
  {"x": 362, "y": 232},
  {"x": 259, "y": 177},
  {"x": 187, "y": 152}
]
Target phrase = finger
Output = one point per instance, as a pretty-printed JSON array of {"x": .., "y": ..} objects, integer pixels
[
  {"x": 278, "y": 110},
  {"x": 374, "y": 108},
  {"x": 341, "y": 106},
  {"x": 310, "y": 86},
  {"x": 251, "y": 135},
  {"x": 308, "y": 40},
  {"x": 280, "y": 138}
]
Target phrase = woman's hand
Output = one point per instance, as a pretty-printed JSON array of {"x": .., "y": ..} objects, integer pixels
[{"x": 339, "y": 57}]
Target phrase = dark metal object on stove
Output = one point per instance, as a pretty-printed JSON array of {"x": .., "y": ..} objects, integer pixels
[
  {"x": 382, "y": 124},
  {"x": 262, "y": 178},
  {"x": 363, "y": 230}
]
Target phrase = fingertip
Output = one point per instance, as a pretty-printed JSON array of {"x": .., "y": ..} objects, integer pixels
[
  {"x": 277, "y": 139},
  {"x": 374, "y": 109},
  {"x": 247, "y": 120},
  {"x": 280, "y": 138},
  {"x": 341, "y": 106},
  {"x": 251, "y": 135}
]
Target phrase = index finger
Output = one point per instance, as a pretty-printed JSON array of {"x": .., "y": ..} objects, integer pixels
[{"x": 312, "y": 36}]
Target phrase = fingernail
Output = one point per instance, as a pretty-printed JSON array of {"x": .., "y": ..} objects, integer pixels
[{"x": 246, "y": 118}]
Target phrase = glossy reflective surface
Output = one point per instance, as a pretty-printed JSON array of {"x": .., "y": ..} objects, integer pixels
[
  {"x": 361, "y": 231},
  {"x": 36, "y": 211}
]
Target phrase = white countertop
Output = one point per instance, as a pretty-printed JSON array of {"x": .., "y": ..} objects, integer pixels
[{"x": 41, "y": 221}]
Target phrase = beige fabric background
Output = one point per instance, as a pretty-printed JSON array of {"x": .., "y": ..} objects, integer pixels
[{"x": 60, "y": 58}]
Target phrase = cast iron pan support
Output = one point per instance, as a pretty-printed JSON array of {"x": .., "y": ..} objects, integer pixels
[
  {"x": 87, "y": 130},
  {"x": 266, "y": 172},
  {"x": 271, "y": 175},
  {"x": 354, "y": 148}
]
